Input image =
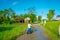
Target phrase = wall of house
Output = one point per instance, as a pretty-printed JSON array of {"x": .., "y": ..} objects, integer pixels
[{"x": 58, "y": 18}]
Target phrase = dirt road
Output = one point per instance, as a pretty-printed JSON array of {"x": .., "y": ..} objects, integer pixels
[{"x": 38, "y": 34}]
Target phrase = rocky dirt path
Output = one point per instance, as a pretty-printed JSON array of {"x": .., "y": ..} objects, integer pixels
[{"x": 38, "y": 34}]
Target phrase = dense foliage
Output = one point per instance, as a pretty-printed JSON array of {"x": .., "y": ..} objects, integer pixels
[
  {"x": 50, "y": 15},
  {"x": 5, "y": 15}
]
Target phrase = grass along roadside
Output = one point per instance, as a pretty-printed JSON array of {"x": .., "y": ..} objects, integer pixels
[
  {"x": 13, "y": 33},
  {"x": 51, "y": 28}
]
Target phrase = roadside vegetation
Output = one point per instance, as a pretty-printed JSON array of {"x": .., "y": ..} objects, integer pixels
[
  {"x": 12, "y": 31},
  {"x": 12, "y": 25},
  {"x": 51, "y": 28}
]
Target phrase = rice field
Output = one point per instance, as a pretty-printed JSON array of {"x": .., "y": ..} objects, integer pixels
[
  {"x": 12, "y": 31},
  {"x": 52, "y": 29}
]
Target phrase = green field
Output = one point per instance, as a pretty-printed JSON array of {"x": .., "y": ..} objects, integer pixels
[
  {"x": 12, "y": 31},
  {"x": 51, "y": 28}
]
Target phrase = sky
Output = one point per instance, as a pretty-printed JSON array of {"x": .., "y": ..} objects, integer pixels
[{"x": 42, "y": 7}]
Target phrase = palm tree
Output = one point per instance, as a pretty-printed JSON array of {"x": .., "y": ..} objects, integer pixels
[
  {"x": 5, "y": 12},
  {"x": 12, "y": 13},
  {"x": 32, "y": 15}
]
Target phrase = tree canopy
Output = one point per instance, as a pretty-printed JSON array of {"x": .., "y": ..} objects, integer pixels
[{"x": 50, "y": 15}]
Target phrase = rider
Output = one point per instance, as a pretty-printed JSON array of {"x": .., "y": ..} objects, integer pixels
[
  {"x": 29, "y": 30},
  {"x": 29, "y": 25}
]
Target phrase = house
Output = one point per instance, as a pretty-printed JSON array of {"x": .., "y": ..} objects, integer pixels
[
  {"x": 27, "y": 19},
  {"x": 19, "y": 20},
  {"x": 58, "y": 17}
]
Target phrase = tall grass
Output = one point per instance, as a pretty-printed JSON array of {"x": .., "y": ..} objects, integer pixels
[
  {"x": 52, "y": 29},
  {"x": 18, "y": 29}
]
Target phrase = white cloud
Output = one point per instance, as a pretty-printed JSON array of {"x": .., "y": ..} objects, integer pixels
[{"x": 14, "y": 3}]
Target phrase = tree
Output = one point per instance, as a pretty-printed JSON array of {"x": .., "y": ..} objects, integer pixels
[
  {"x": 39, "y": 18},
  {"x": 12, "y": 13},
  {"x": 5, "y": 16},
  {"x": 50, "y": 15},
  {"x": 31, "y": 10},
  {"x": 5, "y": 12},
  {"x": 21, "y": 16},
  {"x": 1, "y": 17},
  {"x": 1, "y": 12},
  {"x": 32, "y": 15},
  {"x": 33, "y": 18},
  {"x": 25, "y": 15}
]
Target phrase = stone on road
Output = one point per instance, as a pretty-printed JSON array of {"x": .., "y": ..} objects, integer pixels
[{"x": 37, "y": 35}]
